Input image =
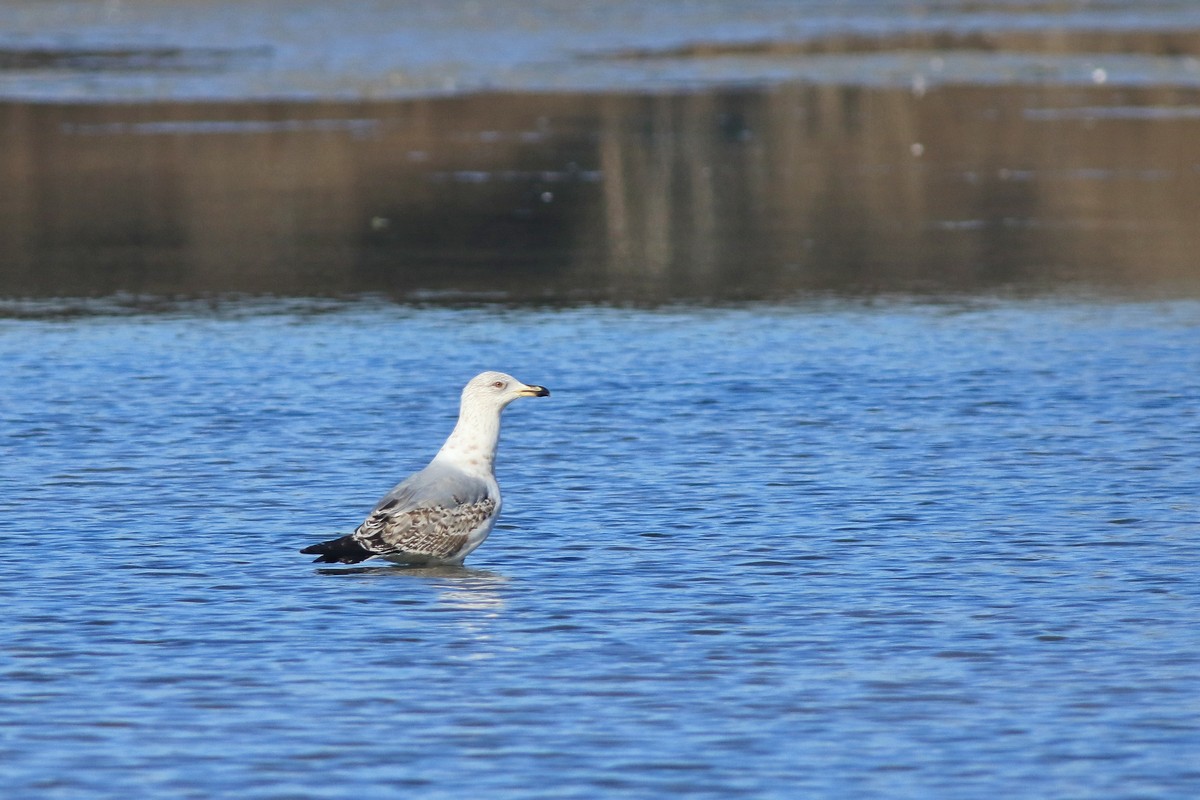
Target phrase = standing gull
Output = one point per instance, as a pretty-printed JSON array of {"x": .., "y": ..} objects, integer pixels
[{"x": 443, "y": 512}]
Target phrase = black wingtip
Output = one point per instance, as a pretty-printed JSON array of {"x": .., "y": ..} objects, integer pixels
[{"x": 345, "y": 550}]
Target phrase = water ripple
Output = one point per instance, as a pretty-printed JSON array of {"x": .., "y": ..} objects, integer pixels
[{"x": 902, "y": 550}]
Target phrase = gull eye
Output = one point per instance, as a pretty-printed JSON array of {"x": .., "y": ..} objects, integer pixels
[{"x": 498, "y": 385}]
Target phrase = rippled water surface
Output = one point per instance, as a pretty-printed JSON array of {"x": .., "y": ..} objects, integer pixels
[
  {"x": 870, "y": 468},
  {"x": 837, "y": 549}
]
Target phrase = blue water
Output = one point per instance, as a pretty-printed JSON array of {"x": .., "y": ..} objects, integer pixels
[
  {"x": 305, "y": 49},
  {"x": 885, "y": 548}
]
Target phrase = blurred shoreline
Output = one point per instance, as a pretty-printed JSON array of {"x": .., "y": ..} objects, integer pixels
[{"x": 731, "y": 155}]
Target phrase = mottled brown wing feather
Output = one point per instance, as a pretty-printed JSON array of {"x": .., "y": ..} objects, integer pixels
[{"x": 434, "y": 531}]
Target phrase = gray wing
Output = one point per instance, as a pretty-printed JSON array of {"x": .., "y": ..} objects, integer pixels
[{"x": 431, "y": 514}]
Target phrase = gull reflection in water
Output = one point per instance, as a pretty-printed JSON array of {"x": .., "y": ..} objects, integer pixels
[{"x": 460, "y": 588}]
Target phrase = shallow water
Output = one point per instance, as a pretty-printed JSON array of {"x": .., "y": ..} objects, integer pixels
[
  {"x": 833, "y": 549},
  {"x": 217, "y": 50}
]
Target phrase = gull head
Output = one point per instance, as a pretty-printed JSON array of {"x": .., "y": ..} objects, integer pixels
[{"x": 496, "y": 390}]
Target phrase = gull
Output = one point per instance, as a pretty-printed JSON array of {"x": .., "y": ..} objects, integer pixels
[{"x": 442, "y": 513}]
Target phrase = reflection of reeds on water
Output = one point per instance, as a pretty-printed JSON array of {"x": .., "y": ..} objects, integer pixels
[{"x": 744, "y": 194}]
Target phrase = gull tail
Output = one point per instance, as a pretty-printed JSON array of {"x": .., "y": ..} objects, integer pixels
[{"x": 346, "y": 550}]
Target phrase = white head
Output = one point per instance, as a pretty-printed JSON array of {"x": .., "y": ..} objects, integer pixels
[
  {"x": 496, "y": 390},
  {"x": 472, "y": 444}
]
